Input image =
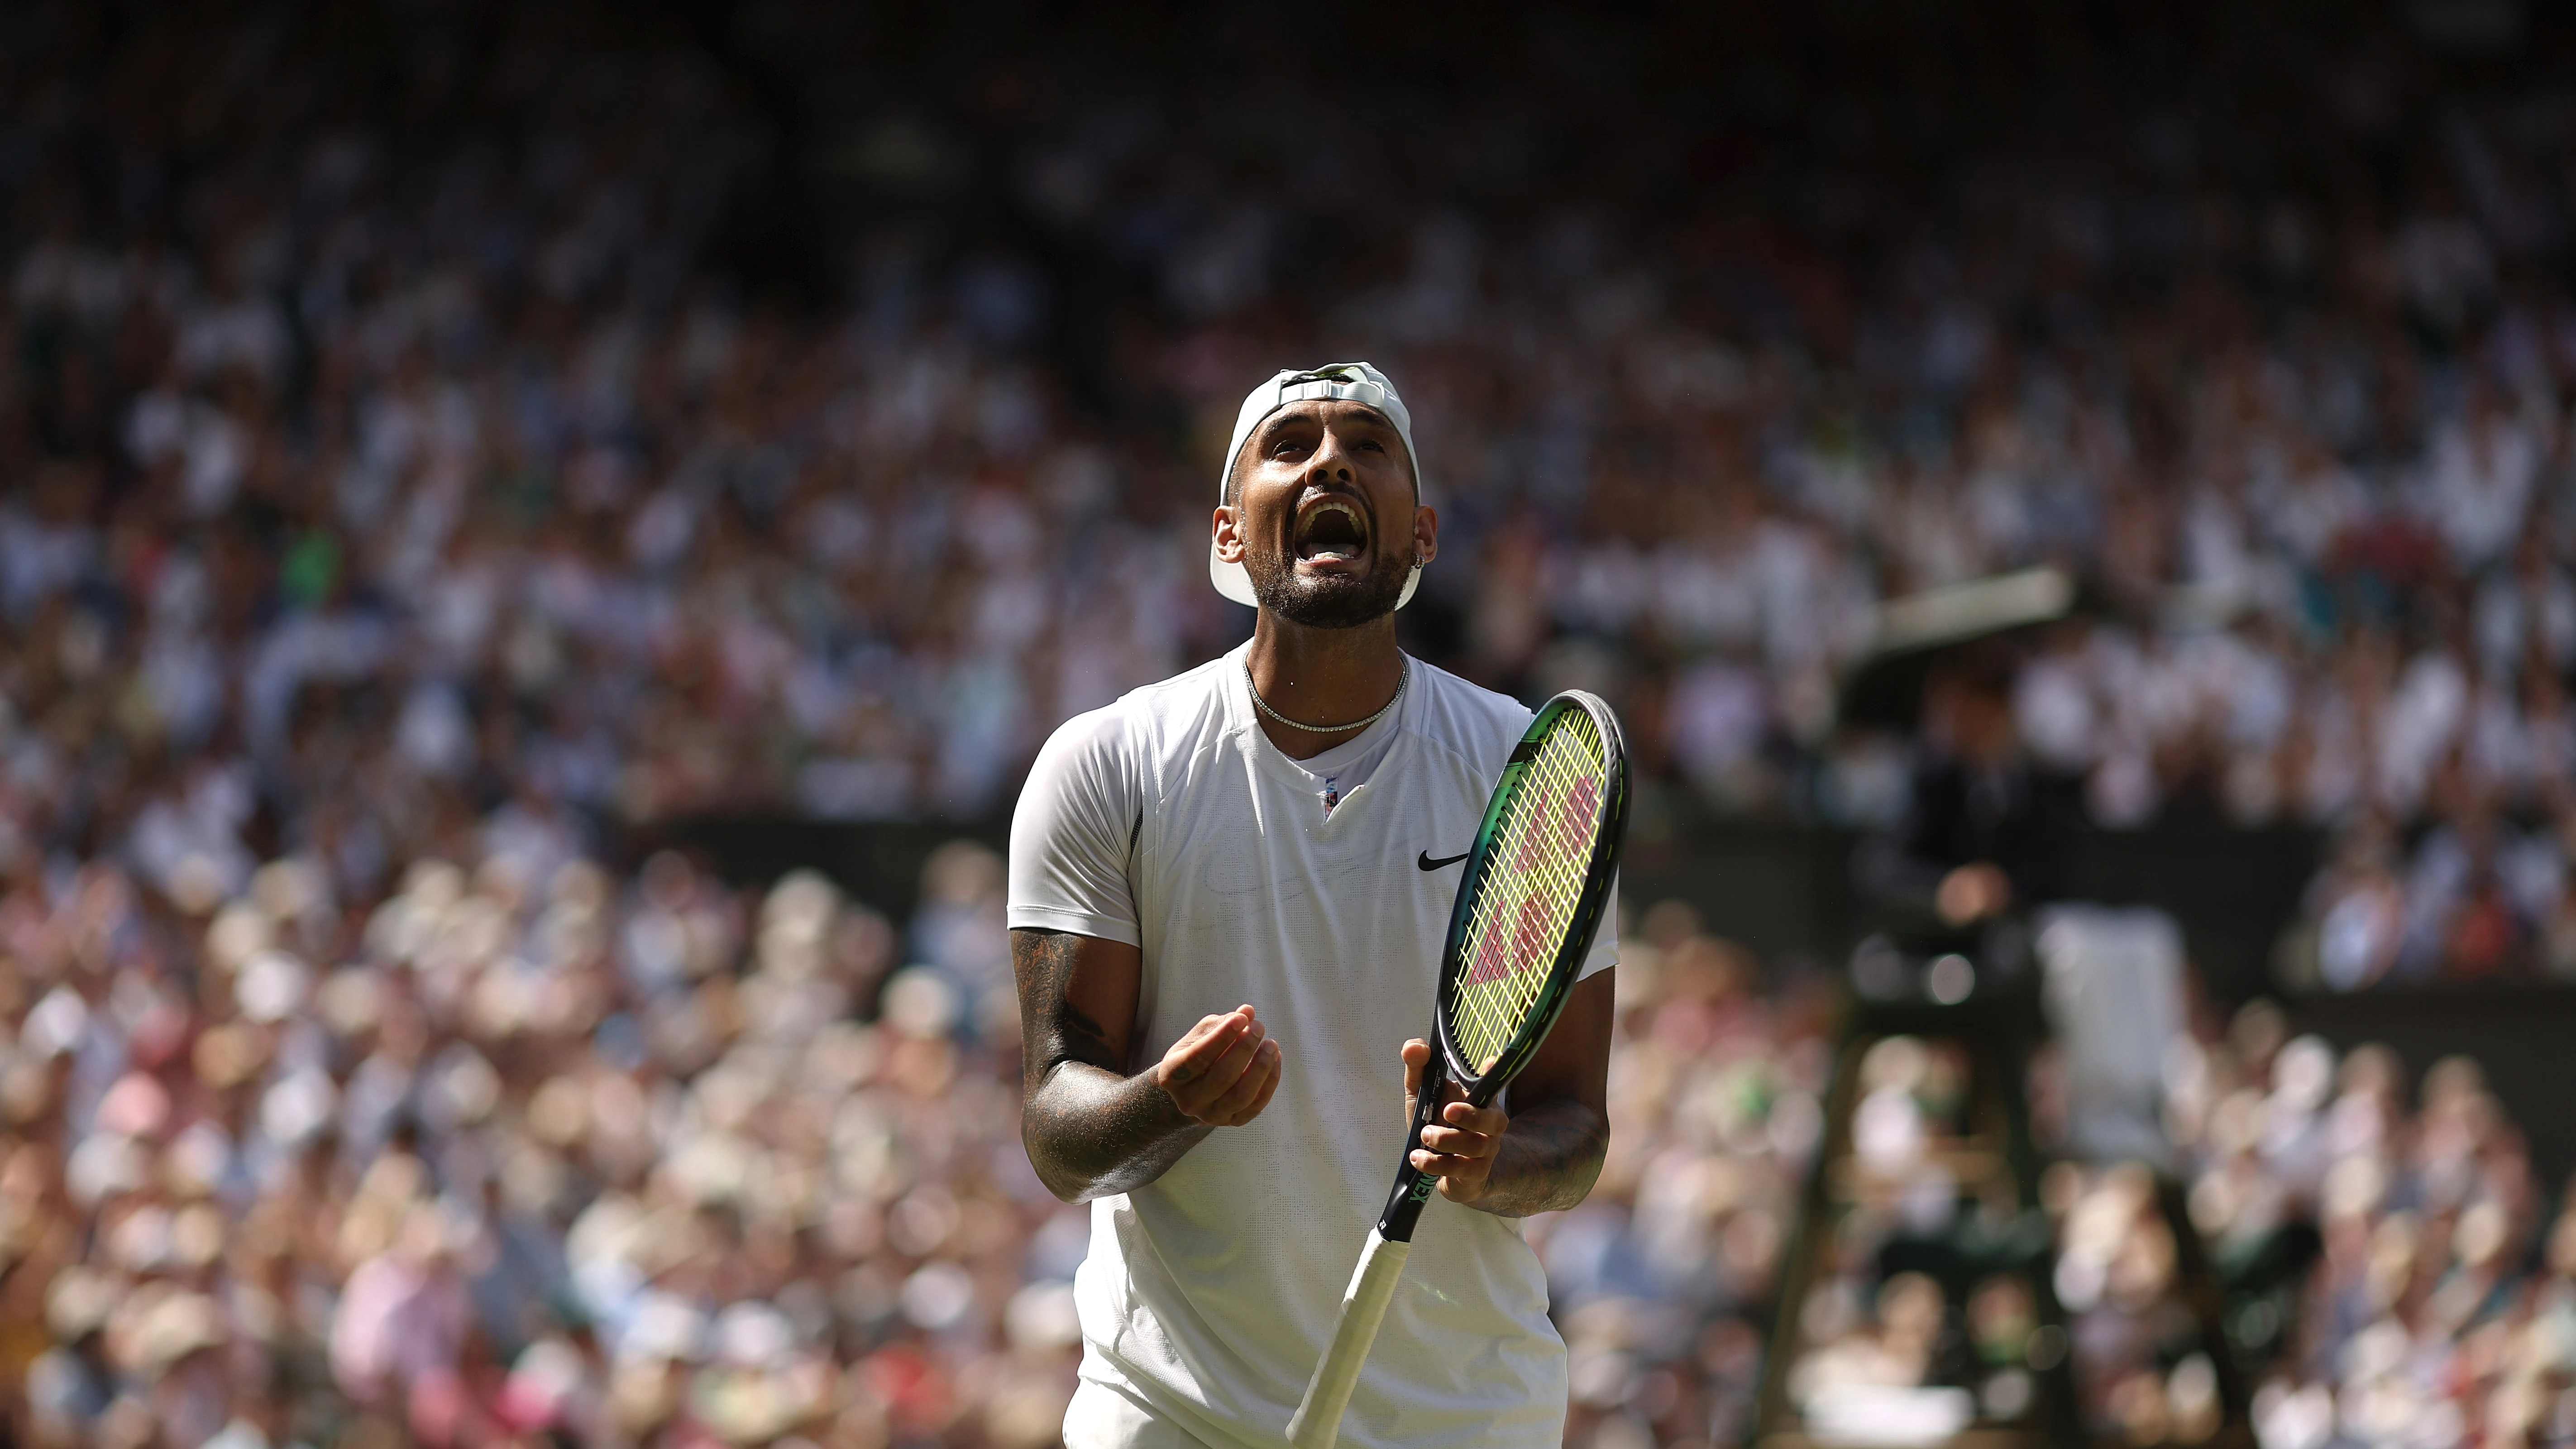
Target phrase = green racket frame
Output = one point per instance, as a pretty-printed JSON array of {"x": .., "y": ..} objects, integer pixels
[{"x": 1414, "y": 1187}]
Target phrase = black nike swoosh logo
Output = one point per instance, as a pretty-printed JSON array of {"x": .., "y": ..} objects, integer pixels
[{"x": 1427, "y": 863}]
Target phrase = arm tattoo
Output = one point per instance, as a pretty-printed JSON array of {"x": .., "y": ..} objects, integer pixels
[
  {"x": 1080, "y": 1039},
  {"x": 1091, "y": 1129},
  {"x": 1550, "y": 1156},
  {"x": 1057, "y": 1031}
]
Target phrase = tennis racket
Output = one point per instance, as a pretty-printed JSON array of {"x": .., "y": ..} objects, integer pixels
[{"x": 1528, "y": 906}]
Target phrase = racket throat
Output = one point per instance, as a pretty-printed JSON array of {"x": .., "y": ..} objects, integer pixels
[{"x": 1413, "y": 1186}]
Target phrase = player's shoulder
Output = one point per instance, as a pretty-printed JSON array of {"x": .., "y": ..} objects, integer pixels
[
  {"x": 1143, "y": 718},
  {"x": 1467, "y": 717}
]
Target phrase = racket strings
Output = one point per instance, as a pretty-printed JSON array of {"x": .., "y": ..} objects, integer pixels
[{"x": 1530, "y": 891}]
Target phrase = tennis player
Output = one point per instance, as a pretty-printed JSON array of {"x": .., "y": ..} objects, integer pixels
[{"x": 1228, "y": 894}]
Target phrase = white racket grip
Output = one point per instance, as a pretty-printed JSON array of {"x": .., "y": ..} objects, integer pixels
[{"x": 1318, "y": 1420}]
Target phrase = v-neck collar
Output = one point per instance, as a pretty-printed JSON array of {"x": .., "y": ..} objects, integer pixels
[{"x": 1272, "y": 761}]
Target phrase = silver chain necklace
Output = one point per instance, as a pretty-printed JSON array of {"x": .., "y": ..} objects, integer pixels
[{"x": 1401, "y": 681}]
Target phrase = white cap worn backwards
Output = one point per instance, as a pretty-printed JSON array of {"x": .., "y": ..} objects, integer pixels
[{"x": 1354, "y": 381}]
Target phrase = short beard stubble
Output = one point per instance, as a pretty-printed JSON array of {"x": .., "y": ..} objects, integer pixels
[{"x": 1335, "y": 601}]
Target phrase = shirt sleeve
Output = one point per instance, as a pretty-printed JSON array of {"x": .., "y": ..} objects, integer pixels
[
  {"x": 1605, "y": 942},
  {"x": 1074, "y": 832}
]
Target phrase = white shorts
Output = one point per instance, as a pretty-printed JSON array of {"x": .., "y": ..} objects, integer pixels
[{"x": 1100, "y": 1417}]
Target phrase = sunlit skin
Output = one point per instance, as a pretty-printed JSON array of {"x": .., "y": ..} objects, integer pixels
[{"x": 1324, "y": 515}]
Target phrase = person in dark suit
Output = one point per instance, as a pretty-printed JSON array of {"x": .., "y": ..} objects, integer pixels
[{"x": 1988, "y": 831}]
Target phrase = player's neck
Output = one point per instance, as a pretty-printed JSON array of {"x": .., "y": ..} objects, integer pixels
[{"x": 1322, "y": 676}]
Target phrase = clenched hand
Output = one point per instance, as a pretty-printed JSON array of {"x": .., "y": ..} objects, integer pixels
[{"x": 1222, "y": 1071}]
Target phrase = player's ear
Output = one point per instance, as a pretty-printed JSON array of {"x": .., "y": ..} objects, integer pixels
[
  {"x": 1229, "y": 537},
  {"x": 1426, "y": 534}
]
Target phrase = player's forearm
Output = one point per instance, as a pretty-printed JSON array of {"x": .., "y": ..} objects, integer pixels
[
  {"x": 1548, "y": 1159},
  {"x": 1092, "y": 1133},
  {"x": 1090, "y": 1129}
]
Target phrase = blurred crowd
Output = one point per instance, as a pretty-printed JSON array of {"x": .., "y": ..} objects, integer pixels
[
  {"x": 436, "y": 443},
  {"x": 405, "y": 443},
  {"x": 528, "y": 1152},
  {"x": 2442, "y": 1305},
  {"x": 2474, "y": 897},
  {"x": 547, "y": 1153},
  {"x": 2366, "y": 1269},
  {"x": 357, "y": 492},
  {"x": 540, "y": 1155},
  {"x": 1664, "y": 1279}
]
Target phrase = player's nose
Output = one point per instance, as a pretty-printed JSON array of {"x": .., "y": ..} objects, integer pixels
[{"x": 1332, "y": 460}]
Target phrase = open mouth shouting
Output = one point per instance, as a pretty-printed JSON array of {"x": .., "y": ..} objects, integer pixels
[{"x": 1331, "y": 529}]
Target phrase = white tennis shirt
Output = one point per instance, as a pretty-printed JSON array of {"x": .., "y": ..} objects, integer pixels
[{"x": 1168, "y": 821}]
